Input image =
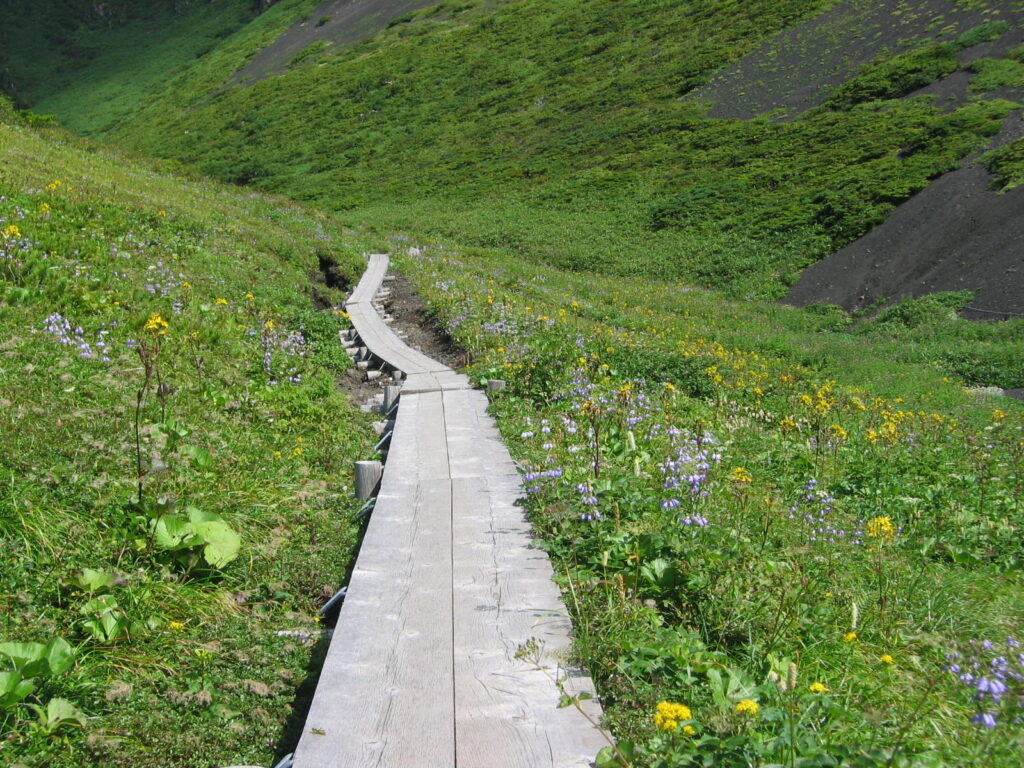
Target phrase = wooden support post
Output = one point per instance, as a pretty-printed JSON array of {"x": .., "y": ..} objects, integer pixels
[
  {"x": 372, "y": 375},
  {"x": 367, "y": 476},
  {"x": 390, "y": 397}
]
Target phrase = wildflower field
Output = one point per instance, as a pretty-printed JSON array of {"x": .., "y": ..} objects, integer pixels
[
  {"x": 805, "y": 555},
  {"x": 175, "y": 461}
]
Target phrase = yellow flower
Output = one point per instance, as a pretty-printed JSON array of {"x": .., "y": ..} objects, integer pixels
[
  {"x": 269, "y": 325},
  {"x": 748, "y": 707},
  {"x": 202, "y": 653},
  {"x": 741, "y": 476},
  {"x": 161, "y": 213},
  {"x": 788, "y": 424},
  {"x": 44, "y": 207},
  {"x": 838, "y": 431},
  {"x": 277, "y": 454},
  {"x": 818, "y": 688},
  {"x": 156, "y": 325},
  {"x": 998, "y": 415},
  {"x": 881, "y": 528},
  {"x": 669, "y": 714},
  {"x": 670, "y": 387},
  {"x": 12, "y": 231},
  {"x": 177, "y": 626},
  {"x": 249, "y": 297},
  {"x": 886, "y": 658},
  {"x": 221, "y": 302},
  {"x": 53, "y": 185},
  {"x": 849, "y": 637}
]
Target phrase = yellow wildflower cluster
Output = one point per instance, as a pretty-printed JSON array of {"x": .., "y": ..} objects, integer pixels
[
  {"x": 741, "y": 476},
  {"x": 881, "y": 527},
  {"x": 838, "y": 432},
  {"x": 54, "y": 185},
  {"x": 12, "y": 231},
  {"x": 748, "y": 707},
  {"x": 669, "y": 715},
  {"x": 44, "y": 208},
  {"x": 850, "y": 637},
  {"x": 818, "y": 688},
  {"x": 886, "y": 658},
  {"x": 156, "y": 325}
]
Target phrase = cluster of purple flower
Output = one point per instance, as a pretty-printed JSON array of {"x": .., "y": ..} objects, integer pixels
[
  {"x": 994, "y": 673},
  {"x": 688, "y": 469},
  {"x": 289, "y": 343},
  {"x": 588, "y": 500},
  {"x": 160, "y": 280},
  {"x": 815, "y": 508},
  {"x": 60, "y": 327}
]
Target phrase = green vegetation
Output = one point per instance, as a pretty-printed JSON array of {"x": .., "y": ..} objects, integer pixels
[
  {"x": 570, "y": 149},
  {"x": 775, "y": 523},
  {"x": 174, "y": 448},
  {"x": 95, "y": 70},
  {"x": 895, "y": 76},
  {"x": 1007, "y": 164},
  {"x": 775, "y": 528}
]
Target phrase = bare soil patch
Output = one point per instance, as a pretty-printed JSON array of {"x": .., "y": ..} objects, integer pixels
[
  {"x": 955, "y": 234},
  {"x": 419, "y": 328},
  {"x": 337, "y": 22}
]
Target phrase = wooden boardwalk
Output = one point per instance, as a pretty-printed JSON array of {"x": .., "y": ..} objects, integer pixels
[{"x": 422, "y": 669}]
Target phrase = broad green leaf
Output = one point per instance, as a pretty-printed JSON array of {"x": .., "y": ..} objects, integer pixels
[
  {"x": 23, "y": 654},
  {"x": 93, "y": 580},
  {"x": 197, "y": 515},
  {"x": 173, "y": 532},
  {"x": 222, "y": 543},
  {"x": 62, "y": 712},
  {"x": 59, "y": 655},
  {"x": 13, "y": 688}
]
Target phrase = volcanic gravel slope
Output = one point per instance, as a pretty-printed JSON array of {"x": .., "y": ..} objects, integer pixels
[
  {"x": 958, "y": 233},
  {"x": 955, "y": 234}
]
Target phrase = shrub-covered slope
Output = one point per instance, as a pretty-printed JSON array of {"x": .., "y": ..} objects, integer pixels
[
  {"x": 174, "y": 460},
  {"x": 577, "y": 133}
]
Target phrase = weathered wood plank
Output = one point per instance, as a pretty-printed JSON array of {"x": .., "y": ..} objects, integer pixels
[
  {"x": 447, "y": 586},
  {"x": 376, "y": 267},
  {"x": 506, "y": 710},
  {"x": 385, "y": 693}
]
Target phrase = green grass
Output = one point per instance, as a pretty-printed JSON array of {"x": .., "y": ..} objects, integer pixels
[
  {"x": 818, "y": 423},
  {"x": 177, "y": 656}
]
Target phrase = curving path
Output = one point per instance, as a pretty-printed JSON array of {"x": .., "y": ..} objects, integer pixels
[{"x": 421, "y": 671}]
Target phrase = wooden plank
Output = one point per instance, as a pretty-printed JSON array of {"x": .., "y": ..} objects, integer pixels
[
  {"x": 377, "y": 266},
  {"x": 384, "y": 697},
  {"x": 506, "y": 710}
]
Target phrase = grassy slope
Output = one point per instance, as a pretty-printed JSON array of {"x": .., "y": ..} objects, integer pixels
[
  {"x": 573, "y": 146},
  {"x": 818, "y": 432},
  {"x": 570, "y": 148},
  {"x": 180, "y": 663}
]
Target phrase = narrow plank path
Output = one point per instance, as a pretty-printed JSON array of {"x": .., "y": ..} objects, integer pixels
[{"x": 422, "y": 670}]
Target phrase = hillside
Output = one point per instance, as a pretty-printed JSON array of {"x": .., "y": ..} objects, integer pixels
[
  {"x": 606, "y": 134},
  {"x": 787, "y": 535},
  {"x": 174, "y": 448}
]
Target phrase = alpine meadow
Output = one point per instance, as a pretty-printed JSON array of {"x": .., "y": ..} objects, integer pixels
[{"x": 744, "y": 280}]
